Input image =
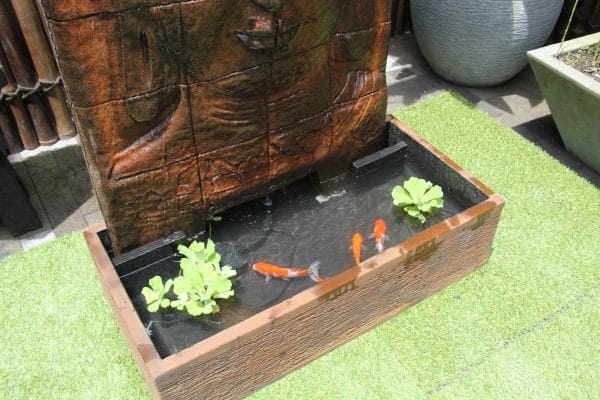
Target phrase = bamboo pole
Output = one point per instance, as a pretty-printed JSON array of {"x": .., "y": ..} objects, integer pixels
[
  {"x": 43, "y": 61},
  {"x": 7, "y": 127},
  {"x": 16, "y": 107},
  {"x": 20, "y": 63},
  {"x": 400, "y": 17},
  {"x": 9, "y": 131}
]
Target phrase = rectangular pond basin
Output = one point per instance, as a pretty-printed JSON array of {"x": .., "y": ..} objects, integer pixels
[{"x": 295, "y": 227}]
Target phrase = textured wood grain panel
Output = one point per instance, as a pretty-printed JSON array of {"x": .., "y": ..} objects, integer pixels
[{"x": 237, "y": 84}]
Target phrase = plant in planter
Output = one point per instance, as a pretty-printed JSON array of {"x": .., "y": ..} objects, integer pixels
[
  {"x": 573, "y": 95},
  {"x": 481, "y": 42}
]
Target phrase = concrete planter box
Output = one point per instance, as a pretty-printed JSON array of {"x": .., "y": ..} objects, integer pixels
[
  {"x": 262, "y": 348},
  {"x": 573, "y": 98}
]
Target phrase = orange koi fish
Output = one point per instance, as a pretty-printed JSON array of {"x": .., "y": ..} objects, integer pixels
[
  {"x": 357, "y": 246},
  {"x": 379, "y": 230},
  {"x": 273, "y": 271}
]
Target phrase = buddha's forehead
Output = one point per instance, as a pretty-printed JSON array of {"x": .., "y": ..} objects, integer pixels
[
  {"x": 252, "y": 32},
  {"x": 151, "y": 44}
]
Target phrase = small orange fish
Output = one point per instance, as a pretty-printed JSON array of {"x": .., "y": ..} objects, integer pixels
[
  {"x": 379, "y": 230},
  {"x": 357, "y": 246},
  {"x": 273, "y": 271}
]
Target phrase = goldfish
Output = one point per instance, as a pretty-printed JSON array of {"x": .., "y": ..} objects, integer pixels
[
  {"x": 357, "y": 246},
  {"x": 273, "y": 271},
  {"x": 379, "y": 235}
]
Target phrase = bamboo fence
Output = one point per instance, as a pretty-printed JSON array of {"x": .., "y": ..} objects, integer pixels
[{"x": 33, "y": 110}]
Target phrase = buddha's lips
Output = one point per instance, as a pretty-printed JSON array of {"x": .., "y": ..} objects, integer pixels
[{"x": 275, "y": 37}]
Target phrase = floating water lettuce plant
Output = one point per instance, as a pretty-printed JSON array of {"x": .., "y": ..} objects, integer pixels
[
  {"x": 418, "y": 197},
  {"x": 202, "y": 281},
  {"x": 156, "y": 294}
]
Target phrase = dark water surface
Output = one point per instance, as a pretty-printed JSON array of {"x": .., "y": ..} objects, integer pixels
[{"x": 293, "y": 227}]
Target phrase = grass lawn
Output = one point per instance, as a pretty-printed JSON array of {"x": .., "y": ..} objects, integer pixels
[{"x": 526, "y": 325}]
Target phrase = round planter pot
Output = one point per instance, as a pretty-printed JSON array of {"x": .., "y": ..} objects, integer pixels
[{"x": 481, "y": 42}]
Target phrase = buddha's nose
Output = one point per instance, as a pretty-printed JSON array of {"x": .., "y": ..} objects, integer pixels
[{"x": 274, "y": 6}]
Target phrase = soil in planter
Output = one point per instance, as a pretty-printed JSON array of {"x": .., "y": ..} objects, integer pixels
[
  {"x": 586, "y": 60},
  {"x": 293, "y": 227}
]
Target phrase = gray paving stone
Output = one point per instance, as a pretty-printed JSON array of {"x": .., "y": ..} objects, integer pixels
[
  {"x": 8, "y": 244},
  {"x": 71, "y": 161},
  {"x": 42, "y": 235},
  {"x": 94, "y": 217},
  {"x": 24, "y": 177},
  {"x": 41, "y": 162},
  {"x": 541, "y": 129},
  {"x": 81, "y": 189},
  {"x": 57, "y": 199},
  {"x": 74, "y": 222},
  {"x": 36, "y": 238},
  {"x": 404, "y": 54},
  {"x": 489, "y": 109},
  {"x": 516, "y": 109},
  {"x": 409, "y": 90},
  {"x": 90, "y": 205},
  {"x": 523, "y": 84}
]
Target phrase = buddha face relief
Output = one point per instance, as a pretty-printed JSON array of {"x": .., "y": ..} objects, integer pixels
[{"x": 187, "y": 107}]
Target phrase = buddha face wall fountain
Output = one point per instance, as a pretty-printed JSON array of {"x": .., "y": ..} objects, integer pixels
[{"x": 186, "y": 108}]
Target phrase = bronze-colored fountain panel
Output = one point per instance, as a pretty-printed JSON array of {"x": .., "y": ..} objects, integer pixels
[{"x": 186, "y": 108}]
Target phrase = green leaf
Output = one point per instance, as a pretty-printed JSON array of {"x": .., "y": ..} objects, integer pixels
[
  {"x": 156, "y": 283},
  {"x": 186, "y": 263},
  {"x": 414, "y": 212},
  {"x": 222, "y": 285},
  {"x": 153, "y": 307},
  {"x": 194, "y": 309},
  {"x": 401, "y": 196},
  {"x": 150, "y": 295},
  {"x": 216, "y": 218},
  {"x": 418, "y": 197},
  {"x": 168, "y": 286},
  {"x": 196, "y": 247},
  {"x": 181, "y": 286},
  {"x": 224, "y": 295},
  {"x": 417, "y": 187},
  {"x": 185, "y": 251},
  {"x": 178, "y": 304},
  {"x": 155, "y": 294},
  {"x": 434, "y": 193},
  {"x": 228, "y": 272}
]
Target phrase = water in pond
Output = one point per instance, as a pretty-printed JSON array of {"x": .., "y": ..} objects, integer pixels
[{"x": 293, "y": 227}]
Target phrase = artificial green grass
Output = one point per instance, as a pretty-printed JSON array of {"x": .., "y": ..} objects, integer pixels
[{"x": 526, "y": 325}]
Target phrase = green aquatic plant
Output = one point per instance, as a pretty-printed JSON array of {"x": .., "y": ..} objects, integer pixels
[
  {"x": 155, "y": 295},
  {"x": 418, "y": 198},
  {"x": 202, "y": 281}
]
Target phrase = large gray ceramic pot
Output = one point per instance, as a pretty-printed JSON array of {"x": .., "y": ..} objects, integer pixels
[{"x": 481, "y": 42}]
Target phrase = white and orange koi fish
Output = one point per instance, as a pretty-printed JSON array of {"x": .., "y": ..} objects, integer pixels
[
  {"x": 273, "y": 271},
  {"x": 379, "y": 235}
]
